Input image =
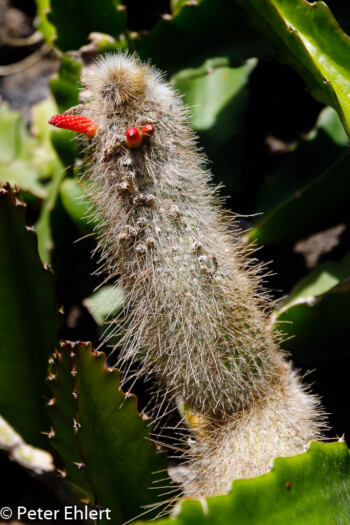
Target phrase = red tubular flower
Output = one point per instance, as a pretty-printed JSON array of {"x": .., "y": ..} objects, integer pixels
[{"x": 77, "y": 123}]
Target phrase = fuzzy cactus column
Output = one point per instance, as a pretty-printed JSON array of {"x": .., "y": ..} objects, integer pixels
[{"x": 195, "y": 316}]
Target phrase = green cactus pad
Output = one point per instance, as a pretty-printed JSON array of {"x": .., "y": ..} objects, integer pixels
[
  {"x": 307, "y": 37},
  {"x": 309, "y": 187},
  {"x": 312, "y": 488},
  {"x": 29, "y": 323},
  {"x": 103, "y": 440},
  {"x": 322, "y": 298}
]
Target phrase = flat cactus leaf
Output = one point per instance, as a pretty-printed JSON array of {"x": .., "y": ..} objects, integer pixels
[
  {"x": 309, "y": 187},
  {"x": 105, "y": 303},
  {"x": 29, "y": 457},
  {"x": 103, "y": 440},
  {"x": 218, "y": 98},
  {"x": 29, "y": 161},
  {"x": 77, "y": 204},
  {"x": 43, "y": 226},
  {"x": 198, "y": 31},
  {"x": 29, "y": 323},
  {"x": 58, "y": 21},
  {"x": 65, "y": 85},
  {"x": 307, "y": 37},
  {"x": 322, "y": 298},
  {"x": 45, "y": 155},
  {"x": 62, "y": 412},
  {"x": 26, "y": 159},
  {"x": 311, "y": 488},
  {"x": 320, "y": 281},
  {"x": 65, "y": 88}
]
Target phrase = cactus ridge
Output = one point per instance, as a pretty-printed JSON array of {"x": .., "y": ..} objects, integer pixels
[
  {"x": 81, "y": 418},
  {"x": 196, "y": 316}
]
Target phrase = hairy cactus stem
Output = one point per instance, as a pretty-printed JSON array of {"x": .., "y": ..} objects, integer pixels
[{"x": 196, "y": 317}]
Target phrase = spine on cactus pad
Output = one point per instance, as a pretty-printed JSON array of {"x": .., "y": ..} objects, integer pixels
[{"x": 195, "y": 316}]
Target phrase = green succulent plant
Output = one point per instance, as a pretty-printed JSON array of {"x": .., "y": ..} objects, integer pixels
[{"x": 97, "y": 434}]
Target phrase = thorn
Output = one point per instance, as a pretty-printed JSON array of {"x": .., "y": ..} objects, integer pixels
[
  {"x": 50, "y": 434},
  {"x": 76, "y": 424},
  {"x": 47, "y": 266},
  {"x": 61, "y": 310},
  {"x": 51, "y": 402},
  {"x": 110, "y": 370},
  {"x": 121, "y": 8},
  {"x": 72, "y": 354},
  {"x": 51, "y": 376},
  {"x": 341, "y": 439},
  {"x": 75, "y": 393},
  {"x": 166, "y": 16},
  {"x": 30, "y": 229},
  {"x": 96, "y": 353},
  {"x": 20, "y": 204},
  {"x": 74, "y": 372},
  {"x": 57, "y": 355},
  {"x": 61, "y": 473},
  {"x": 51, "y": 361},
  {"x": 144, "y": 416},
  {"x": 204, "y": 505},
  {"x": 81, "y": 466},
  {"x": 63, "y": 345}
]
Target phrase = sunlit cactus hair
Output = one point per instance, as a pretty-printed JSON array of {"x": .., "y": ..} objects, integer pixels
[{"x": 196, "y": 317}]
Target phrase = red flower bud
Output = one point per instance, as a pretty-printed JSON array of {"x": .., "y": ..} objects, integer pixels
[
  {"x": 147, "y": 130},
  {"x": 133, "y": 138}
]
